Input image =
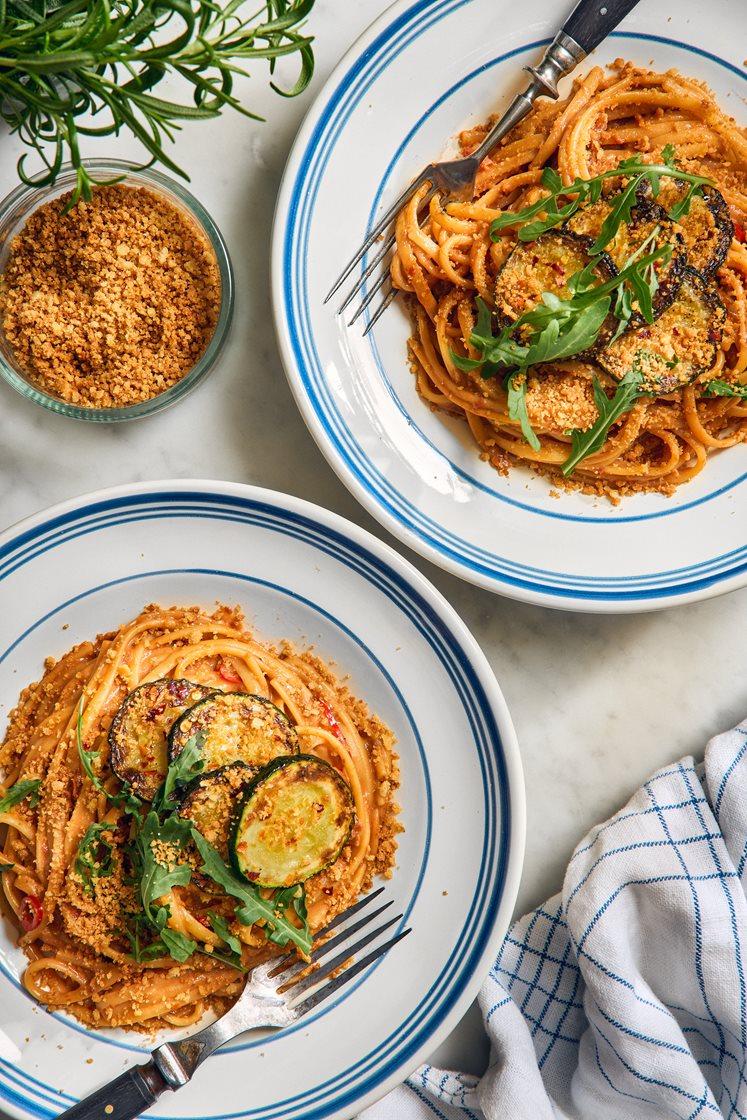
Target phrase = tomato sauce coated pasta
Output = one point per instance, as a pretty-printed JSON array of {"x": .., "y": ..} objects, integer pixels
[
  {"x": 80, "y": 960},
  {"x": 446, "y": 258}
]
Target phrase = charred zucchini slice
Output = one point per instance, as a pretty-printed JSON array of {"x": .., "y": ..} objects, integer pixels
[
  {"x": 137, "y": 736},
  {"x": 543, "y": 265},
  {"x": 209, "y": 802},
  {"x": 293, "y": 821},
  {"x": 648, "y": 220},
  {"x": 236, "y": 727},
  {"x": 678, "y": 347},
  {"x": 707, "y": 227}
]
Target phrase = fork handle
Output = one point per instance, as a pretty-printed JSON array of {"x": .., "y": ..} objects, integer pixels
[
  {"x": 126, "y": 1097},
  {"x": 592, "y": 20}
]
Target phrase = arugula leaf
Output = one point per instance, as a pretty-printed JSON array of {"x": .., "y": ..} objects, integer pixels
[
  {"x": 28, "y": 787},
  {"x": 221, "y": 927},
  {"x": 178, "y": 944},
  {"x": 720, "y": 388},
  {"x": 125, "y": 799},
  {"x": 156, "y": 879},
  {"x": 516, "y": 387},
  {"x": 188, "y": 764},
  {"x": 284, "y": 899},
  {"x": 94, "y": 857},
  {"x": 253, "y": 908},
  {"x": 584, "y": 443},
  {"x": 587, "y": 191}
]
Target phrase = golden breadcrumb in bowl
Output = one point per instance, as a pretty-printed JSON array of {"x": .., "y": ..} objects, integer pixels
[{"x": 116, "y": 307}]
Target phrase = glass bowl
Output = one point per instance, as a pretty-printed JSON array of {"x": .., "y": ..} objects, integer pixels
[{"x": 14, "y": 212}]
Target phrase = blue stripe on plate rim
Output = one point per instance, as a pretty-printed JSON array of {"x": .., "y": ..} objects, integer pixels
[
  {"x": 303, "y": 192},
  {"x": 415, "y": 1031}
]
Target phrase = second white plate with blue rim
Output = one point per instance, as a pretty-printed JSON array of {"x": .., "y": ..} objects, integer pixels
[
  {"x": 421, "y": 73},
  {"x": 303, "y": 574}
]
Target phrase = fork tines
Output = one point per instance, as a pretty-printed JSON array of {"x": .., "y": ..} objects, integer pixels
[
  {"x": 370, "y": 265},
  {"x": 292, "y": 977}
]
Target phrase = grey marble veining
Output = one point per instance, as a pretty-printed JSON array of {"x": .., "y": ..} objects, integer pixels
[{"x": 598, "y": 702}]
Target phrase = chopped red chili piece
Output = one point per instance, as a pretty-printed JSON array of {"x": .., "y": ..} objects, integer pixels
[
  {"x": 331, "y": 720},
  {"x": 32, "y": 912},
  {"x": 739, "y": 232},
  {"x": 227, "y": 672}
]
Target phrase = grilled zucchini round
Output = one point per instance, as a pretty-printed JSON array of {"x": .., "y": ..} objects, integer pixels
[
  {"x": 137, "y": 736},
  {"x": 293, "y": 821},
  {"x": 707, "y": 227},
  {"x": 647, "y": 220},
  {"x": 543, "y": 265},
  {"x": 209, "y": 802},
  {"x": 235, "y": 727},
  {"x": 678, "y": 347}
]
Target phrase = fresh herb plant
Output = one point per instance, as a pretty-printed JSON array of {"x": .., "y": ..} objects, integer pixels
[{"x": 80, "y": 68}]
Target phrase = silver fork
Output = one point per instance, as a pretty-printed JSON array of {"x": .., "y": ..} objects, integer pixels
[
  {"x": 589, "y": 23},
  {"x": 271, "y": 998}
]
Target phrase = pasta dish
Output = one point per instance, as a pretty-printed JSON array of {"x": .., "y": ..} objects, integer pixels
[
  {"x": 180, "y": 802},
  {"x": 585, "y": 312}
]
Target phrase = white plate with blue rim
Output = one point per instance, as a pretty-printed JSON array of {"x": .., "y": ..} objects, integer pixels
[
  {"x": 303, "y": 574},
  {"x": 420, "y": 74}
]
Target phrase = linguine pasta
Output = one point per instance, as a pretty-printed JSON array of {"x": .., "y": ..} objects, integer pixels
[
  {"x": 79, "y": 958},
  {"x": 448, "y": 259}
]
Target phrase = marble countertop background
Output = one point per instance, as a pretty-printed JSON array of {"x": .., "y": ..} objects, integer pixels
[{"x": 598, "y": 702}]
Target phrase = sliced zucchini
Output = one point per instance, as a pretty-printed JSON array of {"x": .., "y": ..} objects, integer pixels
[
  {"x": 236, "y": 727},
  {"x": 293, "y": 821},
  {"x": 543, "y": 265},
  {"x": 137, "y": 736},
  {"x": 678, "y": 347},
  {"x": 209, "y": 802},
  {"x": 707, "y": 227},
  {"x": 647, "y": 220}
]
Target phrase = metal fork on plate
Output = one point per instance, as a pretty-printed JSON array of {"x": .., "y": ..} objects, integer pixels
[
  {"x": 589, "y": 23},
  {"x": 274, "y": 996}
]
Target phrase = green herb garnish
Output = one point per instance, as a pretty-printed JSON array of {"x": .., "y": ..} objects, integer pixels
[
  {"x": 720, "y": 388},
  {"x": 124, "y": 798},
  {"x": 584, "y": 443},
  {"x": 583, "y": 192},
  {"x": 89, "y": 67},
  {"x": 28, "y": 787},
  {"x": 94, "y": 859},
  {"x": 253, "y": 908},
  {"x": 516, "y": 388},
  {"x": 221, "y": 927}
]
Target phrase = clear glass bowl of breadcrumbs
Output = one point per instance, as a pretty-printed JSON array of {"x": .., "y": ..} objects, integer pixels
[{"x": 126, "y": 345}]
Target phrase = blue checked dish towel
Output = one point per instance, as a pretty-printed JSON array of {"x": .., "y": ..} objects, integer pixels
[{"x": 625, "y": 996}]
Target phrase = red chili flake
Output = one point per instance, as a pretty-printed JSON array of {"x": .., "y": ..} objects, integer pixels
[
  {"x": 154, "y": 713},
  {"x": 227, "y": 672},
  {"x": 645, "y": 333},
  {"x": 739, "y": 232},
  {"x": 331, "y": 720},
  {"x": 252, "y": 875},
  {"x": 32, "y": 912}
]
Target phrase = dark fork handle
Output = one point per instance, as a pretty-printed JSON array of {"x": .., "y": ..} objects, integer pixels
[
  {"x": 592, "y": 20},
  {"x": 122, "y": 1099}
]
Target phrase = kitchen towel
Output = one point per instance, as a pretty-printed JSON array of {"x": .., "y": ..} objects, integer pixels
[{"x": 625, "y": 996}]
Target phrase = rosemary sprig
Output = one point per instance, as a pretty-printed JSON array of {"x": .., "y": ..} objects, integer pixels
[
  {"x": 550, "y": 212},
  {"x": 72, "y": 68}
]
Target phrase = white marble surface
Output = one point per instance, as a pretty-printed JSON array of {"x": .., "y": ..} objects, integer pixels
[{"x": 598, "y": 702}]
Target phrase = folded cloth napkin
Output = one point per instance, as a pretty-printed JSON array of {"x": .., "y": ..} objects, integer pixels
[{"x": 626, "y": 995}]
